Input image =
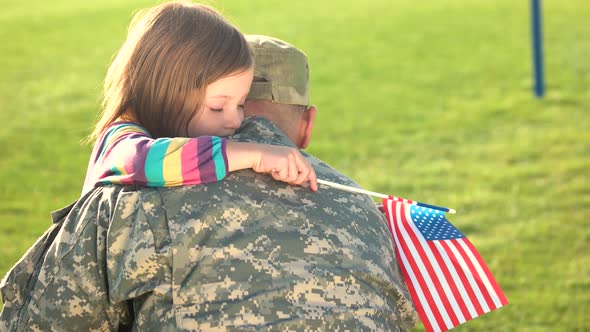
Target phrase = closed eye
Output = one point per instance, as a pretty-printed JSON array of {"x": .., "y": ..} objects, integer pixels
[{"x": 218, "y": 110}]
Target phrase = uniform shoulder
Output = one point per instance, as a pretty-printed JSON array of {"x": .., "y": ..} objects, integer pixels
[{"x": 261, "y": 130}]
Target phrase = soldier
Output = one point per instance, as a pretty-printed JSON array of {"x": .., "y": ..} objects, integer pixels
[
  {"x": 245, "y": 253},
  {"x": 250, "y": 253}
]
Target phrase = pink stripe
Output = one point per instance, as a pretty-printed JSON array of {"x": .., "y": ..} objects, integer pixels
[
  {"x": 206, "y": 160},
  {"x": 117, "y": 153},
  {"x": 127, "y": 163},
  {"x": 114, "y": 141},
  {"x": 125, "y": 143},
  {"x": 191, "y": 174}
]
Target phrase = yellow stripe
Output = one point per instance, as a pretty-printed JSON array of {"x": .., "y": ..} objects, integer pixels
[
  {"x": 133, "y": 129},
  {"x": 172, "y": 162},
  {"x": 121, "y": 164}
]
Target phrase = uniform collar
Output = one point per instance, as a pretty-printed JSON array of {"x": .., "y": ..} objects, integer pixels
[{"x": 261, "y": 130}]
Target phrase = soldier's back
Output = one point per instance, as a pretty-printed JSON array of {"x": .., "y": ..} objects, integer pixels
[{"x": 253, "y": 253}]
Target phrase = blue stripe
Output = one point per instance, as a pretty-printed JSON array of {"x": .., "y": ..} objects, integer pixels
[
  {"x": 154, "y": 162},
  {"x": 434, "y": 207},
  {"x": 217, "y": 155},
  {"x": 111, "y": 131}
]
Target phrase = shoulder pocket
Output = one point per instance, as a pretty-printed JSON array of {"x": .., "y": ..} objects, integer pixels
[{"x": 20, "y": 279}]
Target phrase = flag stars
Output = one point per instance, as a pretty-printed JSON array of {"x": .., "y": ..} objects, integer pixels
[{"x": 433, "y": 224}]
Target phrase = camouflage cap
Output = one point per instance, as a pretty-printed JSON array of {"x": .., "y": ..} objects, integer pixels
[{"x": 281, "y": 73}]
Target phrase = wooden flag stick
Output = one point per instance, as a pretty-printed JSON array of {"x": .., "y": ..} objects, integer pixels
[{"x": 372, "y": 193}]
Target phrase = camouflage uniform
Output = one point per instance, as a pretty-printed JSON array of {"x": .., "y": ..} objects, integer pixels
[
  {"x": 245, "y": 253},
  {"x": 250, "y": 253},
  {"x": 61, "y": 283}
]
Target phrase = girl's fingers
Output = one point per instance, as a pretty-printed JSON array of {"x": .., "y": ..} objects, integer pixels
[
  {"x": 276, "y": 175},
  {"x": 308, "y": 172},
  {"x": 313, "y": 180},
  {"x": 303, "y": 170},
  {"x": 283, "y": 173},
  {"x": 302, "y": 177},
  {"x": 293, "y": 169}
]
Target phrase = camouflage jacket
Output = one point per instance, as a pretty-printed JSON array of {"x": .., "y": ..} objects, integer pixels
[
  {"x": 245, "y": 253},
  {"x": 61, "y": 282}
]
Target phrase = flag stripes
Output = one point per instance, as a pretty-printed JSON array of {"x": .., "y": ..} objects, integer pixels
[{"x": 449, "y": 282}]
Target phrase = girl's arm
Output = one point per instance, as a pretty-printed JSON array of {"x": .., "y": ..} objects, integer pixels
[{"x": 127, "y": 154}]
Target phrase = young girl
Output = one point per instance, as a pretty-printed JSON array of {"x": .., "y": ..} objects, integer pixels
[{"x": 175, "y": 87}]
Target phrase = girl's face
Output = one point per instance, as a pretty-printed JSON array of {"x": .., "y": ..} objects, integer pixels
[{"x": 223, "y": 109}]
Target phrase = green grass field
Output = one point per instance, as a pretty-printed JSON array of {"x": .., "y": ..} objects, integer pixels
[{"x": 427, "y": 100}]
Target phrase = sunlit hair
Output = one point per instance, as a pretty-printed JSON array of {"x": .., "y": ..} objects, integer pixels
[{"x": 172, "y": 52}]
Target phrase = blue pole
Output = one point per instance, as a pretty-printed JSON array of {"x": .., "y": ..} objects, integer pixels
[{"x": 537, "y": 48}]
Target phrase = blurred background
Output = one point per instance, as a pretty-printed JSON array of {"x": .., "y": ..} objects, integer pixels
[{"x": 427, "y": 100}]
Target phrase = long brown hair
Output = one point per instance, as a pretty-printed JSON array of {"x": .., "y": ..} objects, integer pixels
[{"x": 172, "y": 51}]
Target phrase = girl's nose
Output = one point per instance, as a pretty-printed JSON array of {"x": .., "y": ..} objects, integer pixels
[{"x": 236, "y": 118}]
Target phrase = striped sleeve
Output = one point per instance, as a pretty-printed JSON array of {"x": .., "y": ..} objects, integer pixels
[{"x": 127, "y": 154}]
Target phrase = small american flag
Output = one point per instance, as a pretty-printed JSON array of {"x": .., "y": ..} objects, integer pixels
[{"x": 447, "y": 279}]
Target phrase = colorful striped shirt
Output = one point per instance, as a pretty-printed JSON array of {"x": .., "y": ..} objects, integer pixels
[{"x": 126, "y": 153}]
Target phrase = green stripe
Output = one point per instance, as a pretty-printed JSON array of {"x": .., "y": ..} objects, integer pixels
[
  {"x": 154, "y": 162},
  {"x": 115, "y": 170},
  {"x": 217, "y": 155},
  {"x": 111, "y": 132}
]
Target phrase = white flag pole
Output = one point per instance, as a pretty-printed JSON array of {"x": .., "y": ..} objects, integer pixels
[
  {"x": 351, "y": 189},
  {"x": 372, "y": 193}
]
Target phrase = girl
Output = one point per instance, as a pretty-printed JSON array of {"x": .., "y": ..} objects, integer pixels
[{"x": 175, "y": 87}]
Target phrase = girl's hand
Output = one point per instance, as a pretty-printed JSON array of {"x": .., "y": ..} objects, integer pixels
[
  {"x": 282, "y": 163},
  {"x": 286, "y": 164}
]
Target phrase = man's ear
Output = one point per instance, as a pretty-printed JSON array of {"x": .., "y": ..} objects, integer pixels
[{"x": 306, "y": 126}]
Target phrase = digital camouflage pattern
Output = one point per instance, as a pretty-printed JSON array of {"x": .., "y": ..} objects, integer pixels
[
  {"x": 281, "y": 73},
  {"x": 61, "y": 284},
  {"x": 244, "y": 254}
]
